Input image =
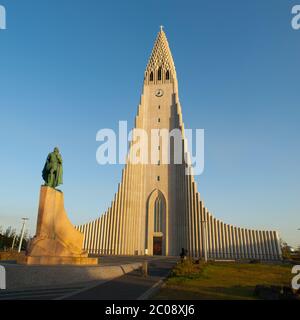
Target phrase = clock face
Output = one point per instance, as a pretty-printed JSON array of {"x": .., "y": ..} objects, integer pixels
[{"x": 159, "y": 93}]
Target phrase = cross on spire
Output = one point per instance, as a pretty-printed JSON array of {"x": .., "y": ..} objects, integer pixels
[{"x": 161, "y": 28}]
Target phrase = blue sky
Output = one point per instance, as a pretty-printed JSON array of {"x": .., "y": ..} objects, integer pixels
[{"x": 69, "y": 68}]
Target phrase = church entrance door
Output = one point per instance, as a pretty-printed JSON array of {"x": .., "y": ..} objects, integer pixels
[{"x": 157, "y": 246}]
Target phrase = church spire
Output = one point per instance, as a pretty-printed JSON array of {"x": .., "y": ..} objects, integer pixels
[{"x": 160, "y": 66}]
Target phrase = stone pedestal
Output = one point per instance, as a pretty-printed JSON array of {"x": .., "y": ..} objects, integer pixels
[{"x": 56, "y": 240}]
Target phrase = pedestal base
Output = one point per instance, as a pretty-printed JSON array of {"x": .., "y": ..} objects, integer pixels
[
  {"x": 46, "y": 260},
  {"x": 56, "y": 240}
]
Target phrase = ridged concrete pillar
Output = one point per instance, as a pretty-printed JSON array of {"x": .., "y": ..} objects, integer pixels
[{"x": 210, "y": 237}]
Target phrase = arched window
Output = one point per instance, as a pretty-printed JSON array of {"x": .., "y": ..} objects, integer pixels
[
  {"x": 159, "y": 74},
  {"x": 151, "y": 76},
  {"x": 168, "y": 75},
  {"x": 158, "y": 209}
]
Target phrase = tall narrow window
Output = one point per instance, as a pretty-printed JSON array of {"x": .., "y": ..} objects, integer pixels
[
  {"x": 158, "y": 215},
  {"x": 168, "y": 75},
  {"x": 159, "y": 73},
  {"x": 151, "y": 76}
]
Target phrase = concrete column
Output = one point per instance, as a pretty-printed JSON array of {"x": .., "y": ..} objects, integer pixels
[
  {"x": 88, "y": 248},
  {"x": 88, "y": 230},
  {"x": 274, "y": 247},
  {"x": 120, "y": 215},
  {"x": 211, "y": 237},
  {"x": 95, "y": 236},
  {"x": 266, "y": 245},
  {"x": 221, "y": 239},
  {"x": 235, "y": 251},
  {"x": 85, "y": 237},
  {"x": 258, "y": 245},
  {"x": 269, "y": 237},
  {"x": 92, "y": 236},
  {"x": 127, "y": 211},
  {"x": 234, "y": 242},
  {"x": 197, "y": 225},
  {"x": 192, "y": 215},
  {"x": 98, "y": 236},
  {"x": 109, "y": 229},
  {"x": 232, "y": 231},
  {"x": 116, "y": 223},
  {"x": 246, "y": 243},
  {"x": 250, "y": 245},
  {"x": 190, "y": 247},
  {"x": 254, "y": 241},
  {"x": 262, "y": 241},
  {"x": 209, "y": 230},
  {"x": 134, "y": 246},
  {"x": 253, "y": 244},
  {"x": 204, "y": 233},
  {"x": 115, "y": 226},
  {"x": 112, "y": 226},
  {"x": 186, "y": 214},
  {"x": 106, "y": 232},
  {"x": 124, "y": 210},
  {"x": 272, "y": 239},
  {"x": 238, "y": 243},
  {"x": 278, "y": 247},
  {"x": 250, "y": 253},
  {"x": 217, "y": 239},
  {"x": 102, "y": 233},
  {"x": 201, "y": 218},
  {"x": 241, "y": 243},
  {"x": 229, "y": 241}
]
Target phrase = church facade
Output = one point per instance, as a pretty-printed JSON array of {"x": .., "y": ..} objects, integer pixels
[{"x": 157, "y": 209}]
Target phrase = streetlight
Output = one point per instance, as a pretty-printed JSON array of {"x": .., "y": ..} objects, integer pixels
[
  {"x": 22, "y": 233},
  {"x": 13, "y": 243}
]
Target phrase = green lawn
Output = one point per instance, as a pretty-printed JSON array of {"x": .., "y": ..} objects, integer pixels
[{"x": 222, "y": 280}]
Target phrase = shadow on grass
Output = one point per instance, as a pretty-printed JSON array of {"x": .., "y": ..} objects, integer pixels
[
  {"x": 226, "y": 281},
  {"x": 207, "y": 293}
]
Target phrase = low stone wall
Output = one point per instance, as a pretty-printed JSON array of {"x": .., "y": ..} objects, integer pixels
[
  {"x": 11, "y": 255},
  {"x": 24, "y": 276}
]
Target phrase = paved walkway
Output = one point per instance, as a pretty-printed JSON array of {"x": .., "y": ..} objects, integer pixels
[
  {"x": 38, "y": 293},
  {"x": 128, "y": 287}
]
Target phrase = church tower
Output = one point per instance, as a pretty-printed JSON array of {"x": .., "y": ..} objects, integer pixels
[{"x": 157, "y": 209}]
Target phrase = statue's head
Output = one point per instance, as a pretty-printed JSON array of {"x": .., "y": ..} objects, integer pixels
[{"x": 56, "y": 150}]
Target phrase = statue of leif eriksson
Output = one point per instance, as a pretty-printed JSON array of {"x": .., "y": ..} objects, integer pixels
[{"x": 53, "y": 170}]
